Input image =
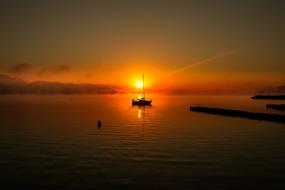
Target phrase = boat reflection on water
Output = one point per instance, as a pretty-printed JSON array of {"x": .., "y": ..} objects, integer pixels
[{"x": 143, "y": 113}]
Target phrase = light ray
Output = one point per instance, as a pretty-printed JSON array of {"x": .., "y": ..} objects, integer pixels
[{"x": 207, "y": 60}]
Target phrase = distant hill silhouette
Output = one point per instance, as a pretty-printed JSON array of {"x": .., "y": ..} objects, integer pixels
[
  {"x": 272, "y": 90},
  {"x": 5, "y": 79},
  {"x": 12, "y": 85}
]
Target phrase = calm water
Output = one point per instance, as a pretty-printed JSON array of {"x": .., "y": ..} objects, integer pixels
[{"x": 52, "y": 142}]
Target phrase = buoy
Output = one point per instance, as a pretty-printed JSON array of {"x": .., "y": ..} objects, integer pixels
[{"x": 99, "y": 123}]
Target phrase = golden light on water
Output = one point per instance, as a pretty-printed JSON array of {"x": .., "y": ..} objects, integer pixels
[{"x": 139, "y": 113}]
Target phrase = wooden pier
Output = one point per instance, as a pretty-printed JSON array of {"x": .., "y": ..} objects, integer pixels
[{"x": 238, "y": 113}]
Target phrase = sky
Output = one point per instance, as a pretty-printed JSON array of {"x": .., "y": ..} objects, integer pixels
[{"x": 116, "y": 41}]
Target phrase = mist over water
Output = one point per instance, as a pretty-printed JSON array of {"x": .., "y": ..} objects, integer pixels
[{"x": 53, "y": 142}]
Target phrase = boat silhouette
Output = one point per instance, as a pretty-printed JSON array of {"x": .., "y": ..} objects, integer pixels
[{"x": 142, "y": 101}]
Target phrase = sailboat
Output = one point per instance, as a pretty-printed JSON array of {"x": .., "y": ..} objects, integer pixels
[{"x": 142, "y": 101}]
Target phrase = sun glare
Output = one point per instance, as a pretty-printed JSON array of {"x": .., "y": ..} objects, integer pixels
[{"x": 139, "y": 84}]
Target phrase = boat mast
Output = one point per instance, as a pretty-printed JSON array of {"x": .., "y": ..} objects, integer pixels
[{"x": 143, "y": 88}]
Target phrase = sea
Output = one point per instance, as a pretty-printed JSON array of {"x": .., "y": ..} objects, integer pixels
[{"x": 54, "y": 142}]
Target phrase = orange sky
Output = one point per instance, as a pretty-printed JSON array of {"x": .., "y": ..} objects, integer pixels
[
  {"x": 199, "y": 78},
  {"x": 115, "y": 42}
]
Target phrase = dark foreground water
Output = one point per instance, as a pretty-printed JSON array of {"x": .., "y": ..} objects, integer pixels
[{"x": 52, "y": 142}]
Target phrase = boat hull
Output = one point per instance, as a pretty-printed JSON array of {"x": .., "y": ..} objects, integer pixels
[{"x": 142, "y": 102}]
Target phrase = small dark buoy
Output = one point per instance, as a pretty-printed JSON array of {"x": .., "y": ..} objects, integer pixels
[{"x": 99, "y": 124}]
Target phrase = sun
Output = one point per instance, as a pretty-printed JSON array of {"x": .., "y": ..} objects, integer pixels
[{"x": 139, "y": 84}]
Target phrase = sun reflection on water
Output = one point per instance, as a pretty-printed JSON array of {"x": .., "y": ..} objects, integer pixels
[{"x": 139, "y": 113}]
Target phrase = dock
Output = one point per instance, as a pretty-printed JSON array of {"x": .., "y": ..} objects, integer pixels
[
  {"x": 269, "y": 97},
  {"x": 239, "y": 113},
  {"x": 280, "y": 107}
]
